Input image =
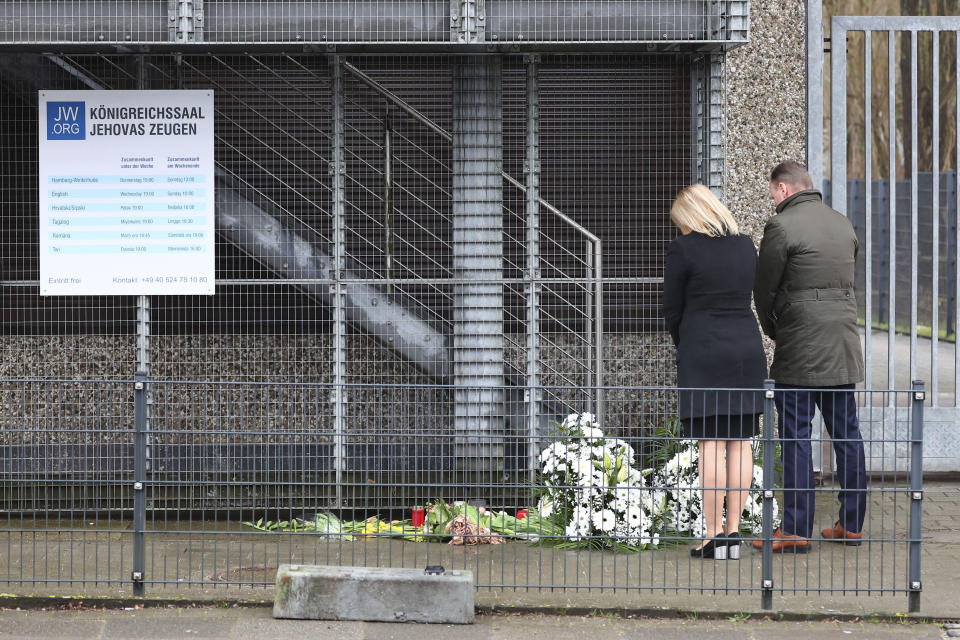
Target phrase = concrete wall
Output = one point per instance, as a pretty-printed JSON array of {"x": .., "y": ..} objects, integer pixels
[{"x": 766, "y": 109}]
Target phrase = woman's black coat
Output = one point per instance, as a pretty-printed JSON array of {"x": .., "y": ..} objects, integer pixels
[{"x": 706, "y": 305}]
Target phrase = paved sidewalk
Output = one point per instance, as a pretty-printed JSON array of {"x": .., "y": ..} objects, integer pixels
[
  {"x": 831, "y": 581},
  {"x": 247, "y": 623}
]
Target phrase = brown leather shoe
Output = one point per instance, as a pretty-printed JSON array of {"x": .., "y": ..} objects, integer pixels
[
  {"x": 838, "y": 534},
  {"x": 786, "y": 542}
]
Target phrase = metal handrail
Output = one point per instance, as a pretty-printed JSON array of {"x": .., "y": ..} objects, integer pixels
[{"x": 594, "y": 246}]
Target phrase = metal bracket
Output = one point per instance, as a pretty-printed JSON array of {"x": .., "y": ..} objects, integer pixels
[
  {"x": 769, "y": 394},
  {"x": 768, "y": 494},
  {"x": 537, "y": 395},
  {"x": 919, "y": 395},
  {"x": 916, "y": 495},
  {"x": 138, "y": 486},
  {"x": 916, "y": 585},
  {"x": 186, "y": 20},
  {"x": 768, "y": 584},
  {"x": 136, "y": 576},
  {"x": 467, "y": 20}
]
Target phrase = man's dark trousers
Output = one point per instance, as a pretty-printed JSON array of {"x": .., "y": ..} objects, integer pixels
[{"x": 838, "y": 407}]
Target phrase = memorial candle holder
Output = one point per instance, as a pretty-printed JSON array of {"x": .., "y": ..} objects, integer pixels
[{"x": 417, "y": 516}]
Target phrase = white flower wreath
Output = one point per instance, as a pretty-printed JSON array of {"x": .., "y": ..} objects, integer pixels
[{"x": 593, "y": 489}]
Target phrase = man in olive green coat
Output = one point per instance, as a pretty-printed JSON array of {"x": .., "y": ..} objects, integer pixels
[{"x": 805, "y": 301}]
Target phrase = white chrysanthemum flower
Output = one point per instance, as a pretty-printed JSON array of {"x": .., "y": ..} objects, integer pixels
[
  {"x": 585, "y": 468},
  {"x": 652, "y": 501},
  {"x": 699, "y": 529},
  {"x": 622, "y": 530},
  {"x": 591, "y": 435},
  {"x": 547, "y": 453},
  {"x": 572, "y": 532},
  {"x": 582, "y": 516},
  {"x": 555, "y": 450},
  {"x": 622, "y": 496},
  {"x": 619, "y": 447},
  {"x": 589, "y": 495},
  {"x": 576, "y": 455}
]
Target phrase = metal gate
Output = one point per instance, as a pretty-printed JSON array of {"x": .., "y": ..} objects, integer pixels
[{"x": 882, "y": 71}]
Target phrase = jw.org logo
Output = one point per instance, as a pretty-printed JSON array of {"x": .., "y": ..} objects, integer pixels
[{"x": 66, "y": 121}]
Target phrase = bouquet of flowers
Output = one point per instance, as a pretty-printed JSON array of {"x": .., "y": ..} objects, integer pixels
[
  {"x": 466, "y": 524},
  {"x": 679, "y": 478},
  {"x": 591, "y": 487}
]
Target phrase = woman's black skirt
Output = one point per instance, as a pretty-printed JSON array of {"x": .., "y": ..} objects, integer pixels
[{"x": 722, "y": 427}]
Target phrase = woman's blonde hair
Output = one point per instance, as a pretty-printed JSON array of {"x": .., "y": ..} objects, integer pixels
[{"x": 699, "y": 210}]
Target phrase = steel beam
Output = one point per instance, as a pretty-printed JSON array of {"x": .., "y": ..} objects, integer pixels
[
  {"x": 392, "y": 319},
  {"x": 477, "y": 193},
  {"x": 716, "y": 166},
  {"x": 838, "y": 117},
  {"x": 815, "y": 92},
  {"x": 531, "y": 167},
  {"x": 337, "y": 176}
]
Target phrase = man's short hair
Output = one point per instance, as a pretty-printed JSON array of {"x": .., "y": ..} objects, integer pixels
[{"x": 792, "y": 173}]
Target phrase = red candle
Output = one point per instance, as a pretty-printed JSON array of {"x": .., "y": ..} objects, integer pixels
[
  {"x": 417, "y": 516},
  {"x": 521, "y": 514}
]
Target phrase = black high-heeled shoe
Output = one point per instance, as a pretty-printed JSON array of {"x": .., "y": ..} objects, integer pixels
[
  {"x": 715, "y": 548},
  {"x": 733, "y": 546}
]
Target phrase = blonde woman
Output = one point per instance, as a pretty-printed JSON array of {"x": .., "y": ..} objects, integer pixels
[{"x": 708, "y": 281}]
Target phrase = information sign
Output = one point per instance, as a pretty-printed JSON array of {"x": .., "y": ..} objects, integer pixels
[{"x": 126, "y": 192}]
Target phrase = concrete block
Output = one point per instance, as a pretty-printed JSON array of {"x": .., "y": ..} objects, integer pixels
[{"x": 374, "y": 594}]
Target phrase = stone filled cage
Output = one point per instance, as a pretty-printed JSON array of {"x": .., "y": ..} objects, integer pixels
[{"x": 363, "y": 284}]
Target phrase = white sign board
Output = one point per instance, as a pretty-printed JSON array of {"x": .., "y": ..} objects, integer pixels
[{"x": 126, "y": 193}]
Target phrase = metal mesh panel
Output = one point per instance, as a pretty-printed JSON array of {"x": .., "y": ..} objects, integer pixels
[
  {"x": 610, "y": 158},
  {"x": 225, "y": 453},
  {"x": 66, "y": 481},
  {"x": 54, "y": 337},
  {"x": 398, "y": 204},
  {"x": 374, "y": 21}
]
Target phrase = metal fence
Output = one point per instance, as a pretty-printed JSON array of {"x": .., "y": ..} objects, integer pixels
[
  {"x": 84, "y": 504},
  {"x": 424, "y": 262},
  {"x": 348, "y": 252}
]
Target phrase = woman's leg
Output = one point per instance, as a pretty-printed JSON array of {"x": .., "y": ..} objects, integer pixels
[
  {"x": 739, "y": 474},
  {"x": 713, "y": 482}
]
